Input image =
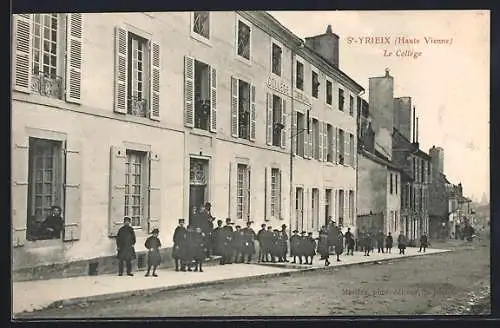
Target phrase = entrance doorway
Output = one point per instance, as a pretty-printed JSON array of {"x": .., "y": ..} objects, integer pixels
[{"x": 198, "y": 182}]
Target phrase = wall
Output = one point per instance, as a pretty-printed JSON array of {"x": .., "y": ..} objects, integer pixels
[
  {"x": 372, "y": 186},
  {"x": 393, "y": 203},
  {"x": 381, "y": 99},
  {"x": 402, "y": 116}
]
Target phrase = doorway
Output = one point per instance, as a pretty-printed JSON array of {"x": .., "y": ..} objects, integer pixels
[{"x": 198, "y": 182}]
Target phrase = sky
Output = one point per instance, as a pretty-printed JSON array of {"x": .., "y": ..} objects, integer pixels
[{"x": 448, "y": 83}]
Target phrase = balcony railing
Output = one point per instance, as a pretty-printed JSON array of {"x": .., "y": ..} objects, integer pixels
[
  {"x": 47, "y": 85},
  {"x": 137, "y": 107}
]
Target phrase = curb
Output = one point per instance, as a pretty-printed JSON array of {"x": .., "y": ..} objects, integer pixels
[{"x": 150, "y": 291}]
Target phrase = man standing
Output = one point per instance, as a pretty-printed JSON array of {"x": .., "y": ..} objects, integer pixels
[
  {"x": 283, "y": 241},
  {"x": 180, "y": 251},
  {"x": 237, "y": 242},
  {"x": 349, "y": 240},
  {"x": 389, "y": 242},
  {"x": 294, "y": 245},
  {"x": 260, "y": 238},
  {"x": 423, "y": 242},
  {"x": 227, "y": 236},
  {"x": 248, "y": 247},
  {"x": 367, "y": 244},
  {"x": 205, "y": 222},
  {"x": 380, "y": 241},
  {"x": 125, "y": 241},
  {"x": 402, "y": 243},
  {"x": 267, "y": 242},
  {"x": 217, "y": 239}
]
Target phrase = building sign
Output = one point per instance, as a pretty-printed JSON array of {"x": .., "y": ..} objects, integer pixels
[
  {"x": 278, "y": 85},
  {"x": 301, "y": 97}
]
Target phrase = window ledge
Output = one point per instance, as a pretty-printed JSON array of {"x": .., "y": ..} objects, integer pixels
[
  {"x": 201, "y": 39},
  {"x": 44, "y": 243},
  {"x": 200, "y": 132},
  {"x": 244, "y": 60}
]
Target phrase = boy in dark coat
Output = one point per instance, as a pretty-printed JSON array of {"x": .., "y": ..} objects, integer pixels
[
  {"x": 227, "y": 240},
  {"x": 248, "y": 242},
  {"x": 275, "y": 245},
  {"x": 380, "y": 241},
  {"x": 53, "y": 224},
  {"x": 367, "y": 244},
  {"x": 217, "y": 240},
  {"x": 302, "y": 247},
  {"x": 323, "y": 247},
  {"x": 153, "y": 245},
  {"x": 423, "y": 242},
  {"x": 350, "y": 242},
  {"x": 180, "y": 246},
  {"x": 267, "y": 243},
  {"x": 294, "y": 245},
  {"x": 237, "y": 243},
  {"x": 260, "y": 239},
  {"x": 125, "y": 241},
  {"x": 402, "y": 243},
  {"x": 199, "y": 249},
  {"x": 283, "y": 241},
  {"x": 310, "y": 251},
  {"x": 389, "y": 242}
]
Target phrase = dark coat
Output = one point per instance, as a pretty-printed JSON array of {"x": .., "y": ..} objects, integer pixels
[
  {"x": 368, "y": 241},
  {"x": 237, "y": 240},
  {"x": 283, "y": 242},
  {"x": 196, "y": 245},
  {"x": 402, "y": 241},
  {"x": 310, "y": 246},
  {"x": 248, "y": 242},
  {"x": 323, "y": 247},
  {"x": 218, "y": 240},
  {"x": 180, "y": 243},
  {"x": 380, "y": 239},
  {"x": 125, "y": 241},
  {"x": 350, "y": 243},
  {"x": 267, "y": 240},
  {"x": 227, "y": 236},
  {"x": 339, "y": 246},
  {"x": 153, "y": 244},
  {"x": 424, "y": 241},
  {"x": 389, "y": 241},
  {"x": 332, "y": 235},
  {"x": 275, "y": 244},
  {"x": 294, "y": 245},
  {"x": 348, "y": 235},
  {"x": 55, "y": 223}
]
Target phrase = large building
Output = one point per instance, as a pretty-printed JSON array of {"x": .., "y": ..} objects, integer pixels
[{"x": 110, "y": 120}]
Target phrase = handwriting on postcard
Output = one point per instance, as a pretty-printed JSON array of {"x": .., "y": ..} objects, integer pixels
[{"x": 400, "y": 46}]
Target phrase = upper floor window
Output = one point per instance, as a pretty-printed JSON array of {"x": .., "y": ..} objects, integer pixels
[
  {"x": 138, "y": 63},
  {"x": 276, "y": 59},
  {"x": 300, "y": 76},
  {"x": 390, "y": 184},
  {"x": 243, "y": 40},
  {"x": 201, "y": 95},
  {"x": 201, "y": 23},
  {"x": 315, "y": 139},
  {"x": 396, "y": 184},
  {"x": 277, "y": 119},
  {"x": 315, "y": 84},
  {"x": 329, "y": 95},
  {"x": 341, "y": 144},
  {"x": 330, "y": 150},
  {"x": 300, "y": 133},
  {"x": 351, "y": 105},
  {"x": 243, "y": 109},
  {"x": 351, "y": 150},
  {"x": 341, "y": 99}
]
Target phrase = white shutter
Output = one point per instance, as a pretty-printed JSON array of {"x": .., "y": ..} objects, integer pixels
[
  {"x": 283, "y": 121},
  {"x": 337, "y": 142},
  {"x": 22, "y": 60},
  {"x": 154, "y": 111},
  {"x": 310, "y": 140},
  {"x": 121, "y": 70},
  {"x": 188, "y": 91},
  {"x": 20, "y": 156},
  {"x": 283, "y": 196},
  {"x": 355, "y": 154},
  {"x": 74, "y": 25},
  {"x": 213, "y": 99},
  {"x": 334, "y": 146},
  {"x": 155, "y": 197},
  {"x": 294, "y": 132},
  {"x": 249, "y": 204},
  {"x": 233, "y": 189},
  {"x": 325, "y": 142},
  {"x": 347, "y": 149},
  {"x": 320, "y": 141},
  {"x": 269, "y": 122},
  {"x": 117, "y": 189},
  {"x": 234, "y": 107},
  {"x": 73, "y": 192},
  {"x": 252, "y": 113},
  {"x": 305, "y": 137}
]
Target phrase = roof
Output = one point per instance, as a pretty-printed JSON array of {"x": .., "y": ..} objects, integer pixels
[
  {"x": 413, "y": 145},
  {"x": 380, "y": 160}
]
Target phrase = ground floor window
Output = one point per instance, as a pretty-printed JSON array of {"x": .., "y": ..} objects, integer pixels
[
  {"x": 135, "y": 187},
  {"x": 243, "y": 192},
  {"x": 44, "y": 189},
  {"x": 315, "y": 208},
  {"x": 275, "y": 193}
]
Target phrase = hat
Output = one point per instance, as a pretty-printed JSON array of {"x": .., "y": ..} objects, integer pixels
[
  {"x": 155, "y": 230},
  {"x": 276, "y": 230},
  {"x": 228, "y": 221},
  {"x": 207, "y": 204},
  {"x": 295, "y": 231},
  {"x": 309, "y": 233},
  {"x": 219, "y": 221},
  {"x": 181, "y": 220},
  {"x": 249, "y": 222},
  {"x": 269, "y": 227},
  {"x": 283, "y": 226},
  {"x": 53, "y": 207},
  {"x": 237, "y": 226},
  {"x": 303, "y": 232},
  {"x": 127, "y": 219},
  {"x": 262, "y": 225}
]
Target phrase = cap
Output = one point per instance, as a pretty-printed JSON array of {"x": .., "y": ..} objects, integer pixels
[
  {"x": 207, "y": 204},
  {"x": 228, "y": 220},
  {"x": 219, "y": 221},
  {"x": 181, "y": 220},
  {"x": 283, "y": 226},
  {"x": 303, "y": 232},
  {"x": 127, "y": 219},
  {"x": 155, "y": 230},
  {"x": 53, "y": 207},
  {"x": 309, "y": 233},
  {"x": 295, "y": 231},
  {"x": 262, "y": 225},
  {"x": 237, "y": 226}
]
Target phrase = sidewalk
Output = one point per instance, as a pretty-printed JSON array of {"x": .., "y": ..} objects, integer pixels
[{"x": 35, "y": 295}]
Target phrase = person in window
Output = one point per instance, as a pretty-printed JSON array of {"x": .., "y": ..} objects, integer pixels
[
  {"x": 125, "y": 241},
  {"x": 53, "y": 224},
  {"x": 153, "y": 245}
]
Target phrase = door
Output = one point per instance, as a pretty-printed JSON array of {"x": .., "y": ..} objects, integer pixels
[
  {"x": 196, "y": 199},
  {"x": 299, "y": 208}
]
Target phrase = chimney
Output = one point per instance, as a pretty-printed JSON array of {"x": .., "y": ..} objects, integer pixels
[
  {"x": 326, "y": 45},
  {"x": 387, "y": 72},
  {"x": 413, "y": 140},
  {"x": 416, "y": 133}
]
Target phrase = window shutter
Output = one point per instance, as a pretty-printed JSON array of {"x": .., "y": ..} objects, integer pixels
[
  {"x": 234, "y": 107},
  {"x": 305, "y": 138},
  {"x": 22, "y": 53},
  {"x": 20, "y": 156},
  {"x": 283, "y": 121},
  {"x": 213, "y": 99},
  {"x": 155, "y": 197},
  {"x": 337, "y": 145},
  {"x": 154, "y": 112},
  {"x": 188, "y": 91},
  {"x": 269, "y": 119},
  {"x": 347, "y": 214},
  {"x": 233, "y": 190},
  {"x": 250, "y": 202},
  {"x": 283, "y": 196},
  {"x": 310, "y": 140},
  {"x": 117, "y": 192},
  {"x": 308, "y": 207},
  {"x": 73, "y": 192},
  {"x": 355, "y": 152},
  {"x": 347, "y": 149},
  {"x": 121, "y": 70},
  {"x": 74, "y": 25},
  {"x": 267, "y": 193},
  {"x": 252, "y": 113},
  {"x": 294, "y": 132},
  {"x": 319, "y": 147}
]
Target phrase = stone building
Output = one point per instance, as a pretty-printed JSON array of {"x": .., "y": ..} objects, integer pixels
[{"x": 109, "y": 120}]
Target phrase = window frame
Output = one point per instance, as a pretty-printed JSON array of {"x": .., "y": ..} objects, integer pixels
[
  {"x": 199, "y": 37},
  {"x": 327, "y": 80},
  {"x": 245, "y": 189},
  {"x": 275, "y": 95},
  {"x": 280, "y": 45},
  {"x": 341, "y": 95},
  {"x": 145, "y": 185},
  {"x": 146, "y": 73},
  {"x": 247, "y": 81},
  {"x": 302, "y": 62},
  {"x": 351, "y": 104},
  {"x": 315, "y": 133},
  {"x": 209, "y": 87},
  {"x": 314, "y": 70},
  {"x": 238, "y": 56},
  {"x": 275, "y": 199},
  {"x": 300, "y": 136},
  {"x": 315, "y": 205}
]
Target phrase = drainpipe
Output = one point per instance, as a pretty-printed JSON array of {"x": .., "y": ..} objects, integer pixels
[{"x": 355, "y": 212}]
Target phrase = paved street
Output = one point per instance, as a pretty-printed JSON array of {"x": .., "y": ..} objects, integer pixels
[{"x": 434, "y": 284}]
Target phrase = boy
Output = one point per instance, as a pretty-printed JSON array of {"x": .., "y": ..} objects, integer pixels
[{"x": 153, "y": 245}]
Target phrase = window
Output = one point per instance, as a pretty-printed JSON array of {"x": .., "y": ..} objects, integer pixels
[
  {"x": 414, "y": 168},
  {"x": 341, "y": 146},
  {"x": 243, "y": 193},
  {"x": 352, "y": 150},
  {"x": 351, "y": 105},
  {"x": 315, "y": 208},
  {"x": 359, "y": 103},
  {"x": 202, "y": 95},
  {"x": 315, "y": 138},
  {"x": 391, "y": 221},
  {"x": 328, "y": 204},
  {"x": 429, "y": 172},
  {"x": 341, "y": 207},
  {"x": 276, "y": 120},
  {"x": 276, "y": 59},
  {"x": 299, "y": 208},
  {"x": 275, "y": 193},
  {"x": 390, "y": 184},
  {"x": 396, "y": 184},
  {"x": 135, "y": 186},
  {"x": 341, "y": 99},
  {"x": 351, "y": 206},
  {"x": 315, "y": 84},
  {"x": 138, "y": 63},
  {"x": 300, "y": 133},
  {"x": 243, "y": 40},
  {"x": 396, "y": 221},
  {"x": 201, "y": 23},
  {"x": 300, "y": 76},
  {"x": 46, "y": 40},
  {"x": 44, "y": 187},
  {"x": 329, "y": 155},
  {"x": 244, "y": 110},
  {"x": 422, "y": 171},
  {"x": 329, "y": 95}
]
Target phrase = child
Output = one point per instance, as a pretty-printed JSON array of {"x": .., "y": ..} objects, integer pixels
[
  {"x": 153, "y": 245},
  {"x": 402, "y": 243},
  {"x": 388, "y": 243},
  {"x": 323, "y": 247},
  {"x": 294, "y": 245},
  {"x": 301, "y": 246},
  {"x": 310, "y": 248}
]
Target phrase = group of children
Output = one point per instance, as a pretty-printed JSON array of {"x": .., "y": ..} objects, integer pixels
[{"x": 302, "y": 247}]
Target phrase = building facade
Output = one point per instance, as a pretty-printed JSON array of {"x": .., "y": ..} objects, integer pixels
[{"x": 109, "y": 120}]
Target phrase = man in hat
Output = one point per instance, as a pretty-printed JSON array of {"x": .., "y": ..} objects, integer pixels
[
  {"x": 153, "y": 245},
  {"x": 349, "y": 240},
  {"x": 248, "y": 242},
  {"x": 227, "y": 236},
  {"x": 310, "y": 245},
  {"x": 380, "y": 241},
  {"x": 205, "y": 222},
  {"x": 260, "y": 239},
  {"x": 294, "y": 245},
  {"x": 423, "y": 242},
  {"x": 283, "y": 241},
  {"x": 218, "y": 240},
  {"x": 180, "y": 246},
  {"x": 267, "y": 244},
  {"x": 236, "y": 243},
  {"x": 53, "y": 224},
  {"x": 125, "y": 241}
]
